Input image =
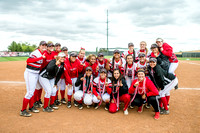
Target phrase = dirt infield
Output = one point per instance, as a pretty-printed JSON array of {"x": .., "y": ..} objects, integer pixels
[{"x": 184, "y": 109}]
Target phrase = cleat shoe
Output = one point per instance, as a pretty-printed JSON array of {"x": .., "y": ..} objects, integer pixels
[
  {"x": 164, "y": 112},
  {"x": 147, "y": 106},
  {"x": 40, "y": 103},
  {"x": 69, "y": 105},
  {"x": 168, "y": 106},
  {"x": 176, "y": 87},
  {"x": 131, "y": 107},
  {"x": 63, "y": 101},
  {"x": 25, "y": 113},
  {"x": 34, "y": 110},
  {"x": 126, "y": 112},
  {"x": 36, "y": 104},
  {"x": 57, "y": 102},
  {"x": 88, "y": 106},
  {"x": 75, "y": 103},
  {"x": 96, "y": 106},
  {"x": 80, "y": 106},
  {"x": 48, "y": 109},
  {"x": 140, "y": 109},
  {"x": 157, "y": 115},
  {"x": 107, "y": 106},
  {"x": 53, "y": 106}
]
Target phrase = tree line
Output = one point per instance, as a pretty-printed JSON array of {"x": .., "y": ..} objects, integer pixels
[{"x": 21, "y": 47}]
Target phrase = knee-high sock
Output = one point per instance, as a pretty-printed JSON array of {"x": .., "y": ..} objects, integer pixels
[
  {"x": 53, "y": 98},
  {"x": 46, "y": 102},
  {"x": 35, "y": 95},
  {"x": 69, "y": 98},
  {"x": 25, "y": 103},
  {"x": 62, "y": 93},
  {"x": 160, "y": 103},
  {"x": 164, "y": 101},
  {"x": 31, "y": 101},
  {"x": 167, "y": 97},
  {"x": 39, "y": 94}
]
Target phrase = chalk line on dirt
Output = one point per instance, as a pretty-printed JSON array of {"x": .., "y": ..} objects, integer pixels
[
  {"x": 190, "y": 63},
  {"x": 21, "y": 82}
]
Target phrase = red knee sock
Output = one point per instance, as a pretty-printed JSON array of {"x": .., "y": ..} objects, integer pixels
[
  {"x": 31, "y": 101},
  {"x": 53, "y": 98},
  {"x": 46, "y": 102},
  {"x": 164, "y": 101},
  {"x": 167, "y": 97},
  {"x": 69, "y": 98},
  {"x": 62, "y": 93},
  {"x": 25, "y": 104},
  {"x": 39, "y": 94},
  {"x": 160, "y": 103},
  {"x": 35, "y": 95}
]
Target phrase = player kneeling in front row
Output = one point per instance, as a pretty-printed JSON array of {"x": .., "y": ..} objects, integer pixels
[
  {"x": 101, "y": 85},
  {"x": 84, "y": 94},
  {"x": 119, "y": 93},
  {"x": 49, "y": 78},
  {"x": 144, "y": 89}
]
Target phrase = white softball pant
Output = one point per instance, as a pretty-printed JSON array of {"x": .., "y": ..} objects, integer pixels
[
  {"x": 168, "y": 87},
  {"x": 172, "y": 67},
  {"x": 31, "y": 80},
  {"x": 38, "y": 85},
  {"x": 89, "y": 99},
  {"x": 128, "y": 81},
  {"x": 48, "y": 85},
  {"x": 61, "y": 84},
  {"x": 73, "y": 88}
]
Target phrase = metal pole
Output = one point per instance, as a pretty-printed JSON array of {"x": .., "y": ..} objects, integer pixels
[{"x": 107, "y": 31}]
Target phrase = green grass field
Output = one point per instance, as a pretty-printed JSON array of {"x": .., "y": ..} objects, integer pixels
[{"x": 4, "y": 59}]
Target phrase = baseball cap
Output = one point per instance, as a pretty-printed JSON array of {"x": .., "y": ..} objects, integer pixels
[
  {"x": 73, "y": 54},
  {"x": 57, "y": 44},
  {"x": 88, "y": 68},
  {"x": 50, "y": 44},
  {"x": 116, "y": 51},
  {"x": 61, "y": 54},
  {"x": 159, "y": 40},
  {"x": 154, "y": 46},
  {"x": 130, "y": 44},
  {"x": 64, "y": 49},
  {"x": 141, "y": 54},
  {"x": 103, "y": 70},
  {"x": 100, "y": 54},
  {"x": 43, "y": 43},
  {"x": 153, "y": 59}
]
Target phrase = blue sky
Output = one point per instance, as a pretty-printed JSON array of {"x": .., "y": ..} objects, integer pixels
[{"x": 79, "y": 23}]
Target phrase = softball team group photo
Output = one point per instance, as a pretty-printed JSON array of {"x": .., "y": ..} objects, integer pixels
[{"x": 132, "y": 79}]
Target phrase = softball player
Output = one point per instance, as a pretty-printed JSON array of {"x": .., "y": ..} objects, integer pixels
[
  {"x": 61, "y": 82},
  {"x": 84, "y": 94},
  {"x": 116, "y": 62},
  {"x": 31, "y": 75},
  {"x": 118, "y": 93},
  {"x": 74, "y": 68},
  {"x": 142, "y": 63},
  {"x": 57, "y": 50},
  {"x": 49, "y": 78},
  {"x": 167, "y": 50},
  {"x": 163, "y": 80},
  {"x": 81, "y": 56},
  {"x": 129, "y": 70},
  {"x": 101, "y": 85},
  {"x": 144, "y": 90},
  {"x": 38, "y": 90},
  {"x": 130, "y": 51}
]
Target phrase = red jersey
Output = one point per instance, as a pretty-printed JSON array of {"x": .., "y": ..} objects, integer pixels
[
  {"x": 73, "y": 68},
  {"x": 48, "y": 58},
  {"x": 55, "y": 53},
  {"x": 168, "y": 51},
  {"x": 149, "y": 88}
]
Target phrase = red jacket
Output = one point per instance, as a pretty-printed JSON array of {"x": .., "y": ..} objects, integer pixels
[
  {"x": 73, "y": 68},
  {"x": 66, "y": 75},
  {"x": 151, "y": 90},
  {"x": 94, "y": 67},
  {"x": 168, "y": 51}
]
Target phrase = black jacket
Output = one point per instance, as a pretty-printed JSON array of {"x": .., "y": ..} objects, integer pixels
[
  {"x": 122, "y": 90},
  {"x": 53, "y": 71},
  {"x": 79, "y": 82},
  {"x": 160, "y": 77},
  {"x": 163, "y": 61}
]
